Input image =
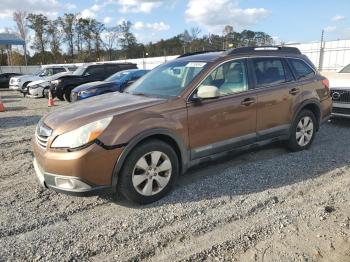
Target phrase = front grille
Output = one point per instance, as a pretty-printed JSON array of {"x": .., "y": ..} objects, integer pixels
[
  {"x": 340, "y": 96},
  {"x": 340, "y": 110},
  {"x": 12, "y": 81},
  {"x": 42, "y": 134}
]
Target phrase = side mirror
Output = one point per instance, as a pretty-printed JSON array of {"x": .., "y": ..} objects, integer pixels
[{"x": 207, "y": 92}]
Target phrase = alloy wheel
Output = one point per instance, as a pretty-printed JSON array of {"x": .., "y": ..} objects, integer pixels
[
  {"x": 152, "y": 172},
  {"x": 305, "y": 131}
]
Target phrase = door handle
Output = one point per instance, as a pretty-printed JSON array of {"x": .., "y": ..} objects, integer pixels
[
  {"x": 294, "y": 91},
  {"x": 248, "y": 101}
]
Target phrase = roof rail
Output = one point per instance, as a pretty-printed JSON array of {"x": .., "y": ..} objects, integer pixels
[
  {"x": 198, "y": 53},
  {"x": 253, "y": 49}
]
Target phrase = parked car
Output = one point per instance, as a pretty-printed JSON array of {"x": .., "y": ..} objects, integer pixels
[
  {"x": 181, "y": 113},
  {"x": 340, "y": 92},
  {"x": 117, "y": 82},
  {"x": 39, "y": 88},
  {"x": 63, "y": 86},
  {"x": 5, "y": 79},
  {"x": 20, "y": 83}
]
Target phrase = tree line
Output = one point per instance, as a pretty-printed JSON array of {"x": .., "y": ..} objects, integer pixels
[{"x": 72, "y": 38}]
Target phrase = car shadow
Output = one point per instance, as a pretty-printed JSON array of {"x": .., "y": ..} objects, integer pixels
[
  {"x": 15, "y": 108},
  {"x": 18, "y": 121},
  {"x": 340, "y": 122},
  {"x": 253, "y": 171}
]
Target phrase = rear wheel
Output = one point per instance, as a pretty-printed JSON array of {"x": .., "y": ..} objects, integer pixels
[
  {"x": 149, "y": 172},
  {"x": 303, "y": 131}
]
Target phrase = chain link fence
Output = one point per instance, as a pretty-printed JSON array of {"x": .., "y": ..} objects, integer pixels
[{"x": 333, "y": 56}]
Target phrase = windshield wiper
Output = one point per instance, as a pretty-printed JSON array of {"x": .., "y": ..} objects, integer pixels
[{"x": 138, "y": 94}]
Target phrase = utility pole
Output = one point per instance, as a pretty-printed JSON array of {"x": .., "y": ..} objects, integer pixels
[{"x": 320, "y": 61}]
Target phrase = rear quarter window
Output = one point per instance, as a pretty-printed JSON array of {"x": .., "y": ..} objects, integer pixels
[{"x": 300, "y": 68}]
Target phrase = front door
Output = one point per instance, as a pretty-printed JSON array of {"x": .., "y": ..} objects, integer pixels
[{"x": 229, "y": 121}]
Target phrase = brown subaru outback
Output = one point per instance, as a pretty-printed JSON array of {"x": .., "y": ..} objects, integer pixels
[{"x": 189, "y": 110}]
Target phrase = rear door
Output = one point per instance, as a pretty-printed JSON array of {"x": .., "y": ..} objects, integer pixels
[
  {"x": 278, "y": 95},
  {"x": 111, "y": 69}
]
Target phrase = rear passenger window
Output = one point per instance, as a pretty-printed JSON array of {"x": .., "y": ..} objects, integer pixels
[
  {"x": 300, "y": 68},
  {"x": 270, "y": 71},
  {"x": 58, "y": 70},
  {"x": 112, "y": 69},
  {"x": 95, "y": 70}
]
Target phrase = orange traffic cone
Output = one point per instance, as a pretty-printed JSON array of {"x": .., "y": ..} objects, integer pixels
[
  {"x": 2, "y": 107},
  {"x": 51, "y": 101}
]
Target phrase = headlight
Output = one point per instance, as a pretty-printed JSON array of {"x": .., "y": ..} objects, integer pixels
[
  {"x": 56, "y": 82},
  {"x": 87, "y": 92},
  {"x": 82, "y": 135}
]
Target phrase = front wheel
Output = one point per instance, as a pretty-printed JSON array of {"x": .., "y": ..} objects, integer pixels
[
  {"x": 149, "y": 172},
  {"x": 303, "y": 131},
  {"x": 66, "y": 94}
]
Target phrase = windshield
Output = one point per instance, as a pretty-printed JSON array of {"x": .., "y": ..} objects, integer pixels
[
  {"x": 167, "y": 80},
  {"x": 39, "y": 72},
  {"x": 345, "y": 69},
  {"x": 118, "y": 76},
  {"x": 79, "y": 71}
]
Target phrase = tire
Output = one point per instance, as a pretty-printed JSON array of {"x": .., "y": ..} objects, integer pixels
[
  {"x": 66, "y": 94},
  {"x": 303, "y": 131},
  {"x": 139, "y": 181},
  {"x": 60, "y": 96}
]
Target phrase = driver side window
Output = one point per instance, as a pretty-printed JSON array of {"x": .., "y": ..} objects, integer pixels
[{"x": 229, "y": 78}]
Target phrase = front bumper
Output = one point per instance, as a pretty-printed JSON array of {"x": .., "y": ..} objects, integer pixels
[
  {"x": 85, "y": 172},
  {"x": 341, "y": 110},
  {"x": 35, "y": 93},
  {"x": 14, "y": 87}
]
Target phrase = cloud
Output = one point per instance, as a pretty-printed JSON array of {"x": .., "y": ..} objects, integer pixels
[
  {"x": 158, "y": 26},
  {"x": 70, "y": 6},
  {"x": 107, "y": 20},
  {"x": 88, "y": 13},
  {"x": 49, "y": 8},
  {"x": 215, "y": 14},
  {"x": 338, "y": 18},
  {"x": 138, "y": 6}
]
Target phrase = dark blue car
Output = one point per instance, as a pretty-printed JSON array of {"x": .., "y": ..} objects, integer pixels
[{"x": 116, "y": 82}]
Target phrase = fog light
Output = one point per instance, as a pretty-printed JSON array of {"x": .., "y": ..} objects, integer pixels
[{"x": 71, "y": 183}]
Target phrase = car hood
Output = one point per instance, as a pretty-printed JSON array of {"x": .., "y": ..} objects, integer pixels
[
  {"x": 338, "y": 80},
  {"x": 86, "y": 111},
  {"x": 48, "y": 78},
  {"x": 97, "y": 84},
  {"x": 24, "y": 78}
]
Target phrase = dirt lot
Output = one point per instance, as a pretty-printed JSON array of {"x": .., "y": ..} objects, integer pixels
[{"x": 264, "y": 205}]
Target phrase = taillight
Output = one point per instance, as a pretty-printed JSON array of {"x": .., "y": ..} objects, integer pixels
[{"x": 325, "y": 82}]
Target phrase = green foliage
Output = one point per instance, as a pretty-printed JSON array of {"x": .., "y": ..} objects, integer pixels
[{"x": 82, "y": 39}]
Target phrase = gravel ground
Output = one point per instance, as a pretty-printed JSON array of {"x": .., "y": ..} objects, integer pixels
[{"x": 262, "y": 205}]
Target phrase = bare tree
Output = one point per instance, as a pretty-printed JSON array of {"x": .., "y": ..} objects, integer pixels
[
  {"x": 195, "y": 31},
  {"x": 19, "y": 17},
  {"x": 110, "y": 39}
]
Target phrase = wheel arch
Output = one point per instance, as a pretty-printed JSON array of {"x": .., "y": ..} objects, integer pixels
[
  {"x": 314, "y": 106},
  {"x": 161, "y": 134}
]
